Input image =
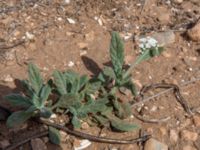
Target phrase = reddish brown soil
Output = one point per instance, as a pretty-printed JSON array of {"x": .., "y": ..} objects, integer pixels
[{"x": 56, "y": 42}]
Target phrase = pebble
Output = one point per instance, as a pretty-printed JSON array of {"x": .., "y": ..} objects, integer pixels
[
  {"x": 82, "y": 53},
  {"x": 188, "y": 147},
  {"x": 38, "y": 144},
  {"x": 173, "y": 135},
  {"x": 189, "y": 135},
  {"x": 164, "y": 38},
  {"x": 153, "y": 144},
  {"x": 196, "y": 120},
  {"x": 178, "y": 1},
  {"x": 4, "y": 144},
  {"x": 84, "y": 126},
  {"x": 29, "y": 36},
  {"x": 8, "y": 78},
  {"x": 66, "y": 1},
  {"x": 70, "y": 64},
  {"x": 82, "y": 45},
  {"x": 194, "y": 32},
  {"x": 81, "y": 144},
  {"x": 71, "y": 21}
]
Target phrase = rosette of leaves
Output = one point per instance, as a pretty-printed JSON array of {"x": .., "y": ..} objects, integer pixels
[
  {"x": 33, "y": 101},
  {"x": 74, "y": 95}
]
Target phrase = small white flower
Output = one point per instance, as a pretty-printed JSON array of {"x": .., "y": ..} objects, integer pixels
[{"x": 147, "y": 43}]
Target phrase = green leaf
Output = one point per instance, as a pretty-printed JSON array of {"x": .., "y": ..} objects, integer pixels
[
  {"x": 45, "y": 112},
  {"x": 27, "y": 87},
  {"x": 60, "y": 82},
  {"x": 131, "y": 86},
  {"x": 75, "y": 86},
  {"x": 69, "y": 100},
  {"x": 122, "y": 125},
  {"x": 102, "y": 120},
  {"x": 83, "y": 81},
  {"x": 34, "y": 77},
  {"x": 54, "y": 136},
  {"x": 18, "y": 118},
  {"x": 18, "y": 100},
  {"x": 76, "y": 122},
  {"x": 109, "y": 72},
  {"x": 117, "y": 53},
  {"x": 44, "y": 94}
]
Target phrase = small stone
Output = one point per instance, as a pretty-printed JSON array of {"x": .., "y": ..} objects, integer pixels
[
  {"x": 194, "y": 32},
  {"x": 82, "y": 53},
  {"x": 71, "y": 21},
  {"x": 153, "y": 144},
  {"x": 82, "y": 144},
  {"x": 189, "y": 136},
  {"x": 82, "y": 45},
  {"x": 29, "y": 36},
  {"x": 164, "y": 38},
  {"x": 178, "y": 1},
  {"x": 70, "y": 64},
  {"x": 84, "y": 125},
  {"x": 196, "y": 120},
  {"x": 53, "y": 116},
  {"x": 4, "y": 144},
  {"x": 154, "y": 108},
  {"x": 173, "y": 136},
  {"x": 138, "y": 83},
  {"x": 8, "y": 78},
  {"x": 188, "y": 147},
  {"x": 38, "y": 144},
  {"x": 66, "y": 1}
]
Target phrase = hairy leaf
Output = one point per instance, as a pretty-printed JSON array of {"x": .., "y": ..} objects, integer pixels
[
  {"x": 34, "y": 77},
  {"x": 102, "y": 120},
  {"x": 45, "y": 112},
  {"x": 122, "y": 125},
  {"x": 18, "y": 100},
  {"x": 76, "y": 122},
  {"x": 44, "y": 94},
  {"x": 54, "y": 136},
  {"x": 83, "y": 81},
  {"x": 69, "y": 100},
  {"x": 18, "y": 118},
  {"x": 60, "y": 82},
  {"x": 108, "y": 72},
  {"x": 117, "y": 53}
]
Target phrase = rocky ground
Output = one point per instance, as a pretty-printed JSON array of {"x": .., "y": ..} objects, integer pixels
[{"x": 75, "y": 34}]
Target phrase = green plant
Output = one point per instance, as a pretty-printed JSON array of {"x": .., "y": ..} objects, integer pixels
[
  {"x": 33, "y": 101},
  {"x": 82, "y": 98}
]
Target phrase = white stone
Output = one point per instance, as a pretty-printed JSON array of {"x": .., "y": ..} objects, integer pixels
[
  {"x": 153, "y": 144},
  {"x": 83, "y": 144},
  {"x": 71, "y": 21},
  {"x": 70, "y": 64}
]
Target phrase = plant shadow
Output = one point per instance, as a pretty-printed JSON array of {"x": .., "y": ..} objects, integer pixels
[{"x": 91, "y": 65}]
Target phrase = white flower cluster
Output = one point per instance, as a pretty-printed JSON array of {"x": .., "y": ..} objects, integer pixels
[{"x": 147, "y": 43}]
